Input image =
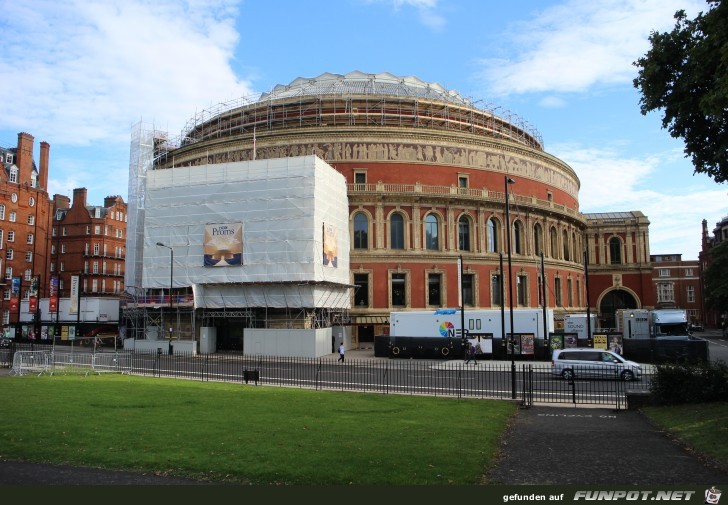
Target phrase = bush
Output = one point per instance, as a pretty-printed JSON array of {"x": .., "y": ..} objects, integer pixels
[{"x": 675, "y": 383}]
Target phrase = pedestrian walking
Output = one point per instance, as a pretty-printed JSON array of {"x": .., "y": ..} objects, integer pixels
[
  {"x": 470, "y": 354},
  {"x": 341, "y": 353}
]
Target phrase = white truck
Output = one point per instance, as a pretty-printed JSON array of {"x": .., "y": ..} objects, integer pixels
[
  {"x": 439, "y": 332},
  {"x": 657, "y": 323},
  {"x": 580, "y": 324}
]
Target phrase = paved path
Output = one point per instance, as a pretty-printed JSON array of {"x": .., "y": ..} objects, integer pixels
[{"x": 594, "y": 446}]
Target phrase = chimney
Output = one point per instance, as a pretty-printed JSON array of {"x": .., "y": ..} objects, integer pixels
[
  {"x": 61, "y": 202},
  {"x": 45, "y": 152},
  {"x": 110, "y": 201},
  {"x": 24, "y": 156},
  {"x": 79, "y": 198}
]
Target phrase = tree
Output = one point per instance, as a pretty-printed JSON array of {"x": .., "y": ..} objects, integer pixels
[
  {"x": 716, "y": 279},
  {"x": 685, "y": 74}
]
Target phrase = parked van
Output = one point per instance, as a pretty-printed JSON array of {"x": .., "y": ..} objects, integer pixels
[{"x": 595, "y": 363}]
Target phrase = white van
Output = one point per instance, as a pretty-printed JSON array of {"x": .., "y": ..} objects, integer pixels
[{"x": 594, "y": 363}]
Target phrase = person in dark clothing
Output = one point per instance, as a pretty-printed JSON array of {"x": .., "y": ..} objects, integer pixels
[{"x": 470, "y": 355}]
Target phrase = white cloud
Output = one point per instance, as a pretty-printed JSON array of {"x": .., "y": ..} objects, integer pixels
[
  {"x": 613, "y": 182},
  {"x": 427, "y": 11},
  {"x": 85, "y": 71},
  {"x": 578, "y": 45}
]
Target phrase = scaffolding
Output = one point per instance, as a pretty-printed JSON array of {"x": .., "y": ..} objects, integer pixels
[{"x": 357, "y": 99}]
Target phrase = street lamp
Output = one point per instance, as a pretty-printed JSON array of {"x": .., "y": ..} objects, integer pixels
[
  {"x": 631, "y": 315},
  {"x": 508, "y": 181},
  {"x": 171, "y": 267}
]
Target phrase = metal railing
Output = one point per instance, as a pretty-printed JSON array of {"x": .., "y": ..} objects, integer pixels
[{"x": 489, "y": 379}]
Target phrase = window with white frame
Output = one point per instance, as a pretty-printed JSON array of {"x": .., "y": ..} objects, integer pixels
[
  {"x": 8, "y": 273},
  {"x": 688, "y": 272},
  {"x": 97, "y": 229},
  {"x": 691, "y": 294},
  {"x": 28, "y": 256},
  {"x": 63, "y": 248},
  {"x": 96, "y": 267},
  {"x": 65, "y": 231},
  {"x": 13, "y": 175},
  {"x": 664, "y": 272},
  {"x": 63, "y": 266},
  {"x": 34, "y": 180},
  {"x": 28, "y": 275},
  {"x": 12, "y": 216},
  {"x": 96, "y": 249},
  {"x": 31, "y": 219},
  {"x": 6, "y": 294},
  {"x": 95, "y": 285},
  {"x": 88, "y": 229},
  {"x": 9, "y": 254},
  {"x": 2, "y": 212},
  {"x": 29, "y": 238},
  {"x": 6, "y": 317},
  {"x": 11, "y": 236},
  {"x": 665, "y": 292}
]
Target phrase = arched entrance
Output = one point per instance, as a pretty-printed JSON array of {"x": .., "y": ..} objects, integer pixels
[{"x": 613, "y": 301}]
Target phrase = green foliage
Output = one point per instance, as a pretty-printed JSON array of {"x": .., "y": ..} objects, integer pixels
[
  {"x": 716, "y": 279},
  {"x": 685, "y": 74},
  {"x": 677, "y": 383},
  {"x": 246, "y": 434}
]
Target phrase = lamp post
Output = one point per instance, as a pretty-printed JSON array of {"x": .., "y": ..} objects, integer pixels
[
  {"x": 171, "y": 266},
  {"x": 629, "y": 321},
  {"x": 171, "y": 277},
  {"x": 508, "y": 181}
]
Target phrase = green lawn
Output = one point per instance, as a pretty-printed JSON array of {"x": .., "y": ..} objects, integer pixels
[
  {"x": 237, "y": 433},
  {"x": 700, "y": 426},
  {"x": 247, "y": 434}
]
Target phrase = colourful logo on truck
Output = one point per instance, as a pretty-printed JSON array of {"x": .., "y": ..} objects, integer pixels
[{"x": 447, "y": 329}]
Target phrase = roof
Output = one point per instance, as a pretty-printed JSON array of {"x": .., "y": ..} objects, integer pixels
[{"x": 359, "y": 83}]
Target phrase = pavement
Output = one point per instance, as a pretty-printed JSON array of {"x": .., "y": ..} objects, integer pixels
[{"x": 543, "y": 445}]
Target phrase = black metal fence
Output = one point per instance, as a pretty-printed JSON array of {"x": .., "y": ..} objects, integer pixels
[{"x": 528, "y": 383}]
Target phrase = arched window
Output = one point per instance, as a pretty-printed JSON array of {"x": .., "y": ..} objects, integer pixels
[
  {"x": 565, "y": 237},
  {"x": 432, "y": 241},
  {"x": 615, "y": 251},
  {"x": 574, "y": 247},
  {"x": 493, "y": 243},
  {"x": 361, "y": 231},
  {"x": 396, "y": 232},
  {"x": 518, "y": 237},
  {"x": 537, "y": 239},
  {"x": 554, "y": 243},
  {"x": 464, "y": 233}
]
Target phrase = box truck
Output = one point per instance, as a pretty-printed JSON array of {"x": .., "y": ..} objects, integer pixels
[
  {"x": 440, "y": 332},
  {"x": 657, "y": 323}
]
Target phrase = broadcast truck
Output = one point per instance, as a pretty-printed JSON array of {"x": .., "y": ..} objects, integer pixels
[
  {"x": 657, "y": 323},
  {"x": 438, "y": 333}
]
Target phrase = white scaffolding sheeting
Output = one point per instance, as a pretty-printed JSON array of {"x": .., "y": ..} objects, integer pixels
[{"x": 282, "y": 204}]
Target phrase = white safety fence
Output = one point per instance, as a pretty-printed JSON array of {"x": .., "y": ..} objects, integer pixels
[{"x": 25, "y": 362}]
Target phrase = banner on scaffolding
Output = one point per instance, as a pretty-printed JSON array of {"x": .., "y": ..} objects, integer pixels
[
  {"x": 73, "y": 309},
  {"x": 223, "y": 245}
]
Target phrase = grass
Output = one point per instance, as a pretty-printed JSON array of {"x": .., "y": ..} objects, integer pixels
[
  {"x": 701, "y": 427},
  {"x": 246, "y": 434}
]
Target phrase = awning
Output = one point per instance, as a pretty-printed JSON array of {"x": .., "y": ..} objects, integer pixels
[{"x": 367, "y": 320}]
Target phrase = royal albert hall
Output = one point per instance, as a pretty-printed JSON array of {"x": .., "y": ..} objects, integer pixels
[{"x": 434, "y": 183}]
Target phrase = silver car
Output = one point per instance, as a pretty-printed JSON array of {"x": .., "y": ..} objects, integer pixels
[{"x": 593, "y": 363}]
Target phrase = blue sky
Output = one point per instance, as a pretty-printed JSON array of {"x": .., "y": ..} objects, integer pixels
[{"x": 79, "y": 74}]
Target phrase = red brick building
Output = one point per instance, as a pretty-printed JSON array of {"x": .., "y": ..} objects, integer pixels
[
  {"x": 676, "y": 284},
  {"x": 25, "y": 220},
  {"x": 90, "y": 241}
]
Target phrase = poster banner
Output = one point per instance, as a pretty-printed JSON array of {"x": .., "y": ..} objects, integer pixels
[
  {"x": 223, "y": 245},
  {"x": 527, "y": 343},
  {"x": 73, "y": 309},
  {"x": 53, "y": 295},
  {"x": 33, "y": 294},
  {"x": 615, "y": 343},
  {"x": 600, "y": 341},
  {"x": 330, "y": 241},
  {"x": 15, "y": 294}
]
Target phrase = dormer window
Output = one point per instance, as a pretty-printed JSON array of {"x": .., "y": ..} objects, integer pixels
[{"x": 33, "y": 180}]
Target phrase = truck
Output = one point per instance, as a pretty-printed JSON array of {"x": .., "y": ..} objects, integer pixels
[
  {"x": 439, "y": 333},
  {"x": 656, "y": 323},
  {"x": 577, "y": 323}
]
